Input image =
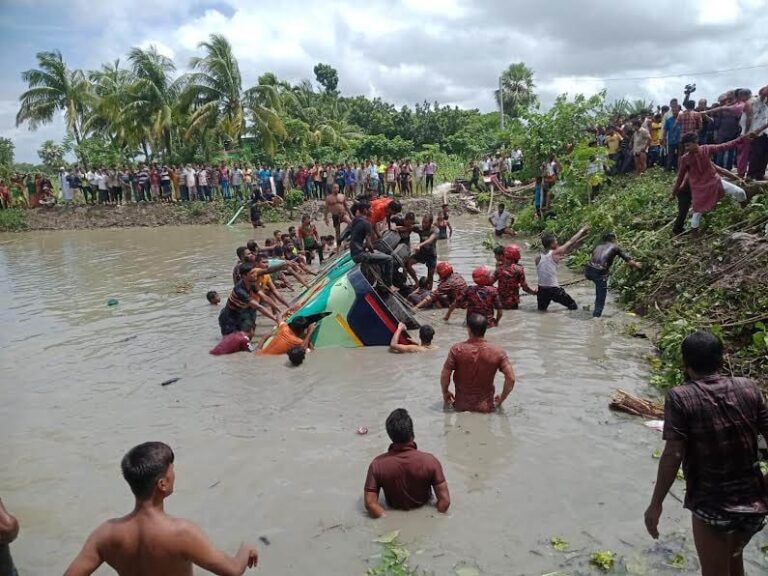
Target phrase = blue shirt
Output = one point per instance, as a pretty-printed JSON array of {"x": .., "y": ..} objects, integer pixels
[
  {"x": 672, "y": 129},
  {"x": 264, "y": 175}
]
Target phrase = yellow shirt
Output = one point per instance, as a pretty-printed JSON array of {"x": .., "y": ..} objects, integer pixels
[
  {"x": 655, "y": 133},
  {"x": 613, "y": 141}
]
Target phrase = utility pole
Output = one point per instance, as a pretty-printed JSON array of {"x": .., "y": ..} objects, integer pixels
[{"x": 501, "y": 103}]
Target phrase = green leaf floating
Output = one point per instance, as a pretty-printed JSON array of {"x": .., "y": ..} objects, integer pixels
[{"x": 388, "y": 538}]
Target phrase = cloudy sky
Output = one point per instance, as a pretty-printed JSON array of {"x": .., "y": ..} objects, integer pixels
[{"x": 407, "y": 51}]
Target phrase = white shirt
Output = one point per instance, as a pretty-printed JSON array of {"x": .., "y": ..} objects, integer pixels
[
  {"x": 189, "y": 176},
  {"x": 759, "y": 115},
  {"x": 546, "y": 270},
  {"x": 501, "y": 221}
]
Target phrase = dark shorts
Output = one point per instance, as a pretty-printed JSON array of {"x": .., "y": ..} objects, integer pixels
[
  {"x": 499, "y": 232},
  {"x": 236, "y": 320},
  {"x": 549, "y": 294},
  {"x": 729, "y": 522},
  {"x": 336, "y": 220},
  {"x": 430, "y": 260}
]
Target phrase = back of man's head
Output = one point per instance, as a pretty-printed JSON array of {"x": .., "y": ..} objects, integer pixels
[
  {"x": 240, "y": 251},
  {"x": 477, "y": 324},
  {"x": 426, "y": 334},
  {"x": 296, "y": 355},
  {"x": 144, "y": 465},
  {"x": 252, "y": 245},
  {"x": 548, "y": 240},
  {"x": 702, "y": 352},
  {"x": 400, "y": 426},
  {"x": 689, "y": 104},
  {"x": 395, "y": 207}
]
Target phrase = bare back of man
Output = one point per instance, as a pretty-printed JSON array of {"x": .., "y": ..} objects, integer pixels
[{"x": 151, "y": 543}]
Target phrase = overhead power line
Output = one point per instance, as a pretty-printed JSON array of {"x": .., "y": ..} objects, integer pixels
[{"x": 690, "y": 74}]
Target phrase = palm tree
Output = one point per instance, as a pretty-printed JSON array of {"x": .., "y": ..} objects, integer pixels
[
  {"x": 153, "y": 96},
  {"x": 264, "y": 104},
  {"x": 54, "y": 87},
  {"x": 517, "y": 86},
  {"x": 111, "y": 88},
  {"x": 214, "y": 90}
]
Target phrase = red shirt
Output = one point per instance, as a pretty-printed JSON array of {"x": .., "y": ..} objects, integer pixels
[
  {"x": 483, "y": 300},
  {"x": 689, "y": 121},
  {"x": 231, "y": 343},
  {"x": 154, "y": 177},
  {"x": 474, "y": 364},
  {"x": 406, "y": 474},
  {"x": 510, "y": 278},
  {"x": 450, "y": 289},
  {"x": 706, "y": 184}
]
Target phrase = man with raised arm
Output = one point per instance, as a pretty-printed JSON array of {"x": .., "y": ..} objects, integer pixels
[{"x": 149, "y": 542}]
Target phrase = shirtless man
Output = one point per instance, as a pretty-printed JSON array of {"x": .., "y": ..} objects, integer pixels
[
  {"x": 148, "y": 542},
  {"x": 426, "y": 333},
  {"x": 336, "y": 205}
]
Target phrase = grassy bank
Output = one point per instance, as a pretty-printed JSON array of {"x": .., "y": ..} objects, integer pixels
[{"x": 716, "y": 282}]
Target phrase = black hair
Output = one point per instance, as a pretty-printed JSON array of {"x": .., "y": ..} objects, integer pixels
[
  {"x": 689, "y": 104},
  {"x": 501, "y": 205},
  {"x": 298, "y": 325},
  {"x": 296, "y": 355},
  {"x": 538, "y": 179},
  {"x": 395, "y": 207},
  {"x": 665, "y": 108},
  {"x": 688, "y": 138},
  {"x": 400, "y": 426},
  {"x": 477, "y": 324},
  {"x": 210, "y": 295},
  {"x": 240, "y": 251},
  {"x": 702, "y": 352},
  {"x": 609, "y": 237},
  {"x": 426, "y": 333},
  {"x": 252, "y": 245},
  {"x": 548, "y": 240},
  {"x": 245, "y": 268},
  {"x": 410, "y": 216},
  {"x": 498, "y": 250},
  {"x": 423, "y": 282},
  {"x": 144, "y": 465}
]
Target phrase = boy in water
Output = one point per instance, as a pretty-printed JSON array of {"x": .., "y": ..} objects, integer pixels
[
  {"x": 296, "y": 355},
  {"x": 426, "y": 334},
  {"x": 546, "y": 269},
  {"x": 213, "y": 297},
  {"x": 148, "y": 541}
]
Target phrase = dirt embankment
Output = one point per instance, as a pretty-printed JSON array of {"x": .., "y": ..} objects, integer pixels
[
  {"x": 81, "y": 217},
  {"x": 128, "y": 215}
]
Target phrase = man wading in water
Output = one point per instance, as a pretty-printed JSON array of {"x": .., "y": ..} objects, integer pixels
[
  {"x": 711, "y": 424},
  {"x": 407, "y": 475},
  {"x": 599, "y": 267},
  {"x": 549, "y": 289},
  {"x": 148, "y": 542},
  {"x": 474, "y": 364}
]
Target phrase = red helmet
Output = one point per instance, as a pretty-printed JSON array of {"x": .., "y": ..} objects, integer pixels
[
  {"x": 512, "y": 252},
  {"x": 444, "y": 269},
  {"x": 483, "y": 276}
]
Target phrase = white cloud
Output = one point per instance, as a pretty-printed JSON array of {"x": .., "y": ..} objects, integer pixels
[{"x": 160, "y": 46}]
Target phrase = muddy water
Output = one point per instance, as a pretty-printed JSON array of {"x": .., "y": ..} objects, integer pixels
[{"x": 263, "y": 450}]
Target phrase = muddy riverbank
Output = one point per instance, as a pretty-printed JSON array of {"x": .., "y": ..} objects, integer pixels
[{"x": 263, "y": 450}]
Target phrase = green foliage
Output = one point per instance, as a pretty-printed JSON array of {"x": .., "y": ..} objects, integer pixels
[
  {"x": 98, "y": 152},
  {"x": 678, "y": 561},
  {"x": 559, "y": 544},
  {"x": 51, "y": 154},
  {"x": 381, "y": 147},
  {"x": 603, "y": 559},
  {"x": 518, "y": 90},
  {"x": 483, "y": 199},
  {"x": 6, "y": 152},
  {"x": 394, "y": 557},
  {"x": 327, "y": 76},
  {"x": 294, "y": 198},
  {"x": 13, "y": 220},
  {"x": 685, "y": 284}
]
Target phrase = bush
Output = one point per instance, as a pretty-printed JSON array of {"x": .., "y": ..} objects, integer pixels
[
  {"x": 294, "y": 198},
  {"x": 13, "y": 220},
  {"x": 483, "y": 199}
]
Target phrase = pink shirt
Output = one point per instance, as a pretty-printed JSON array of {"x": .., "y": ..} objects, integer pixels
[
  {"x": 430, "y": 168},
  {"x": 706, "y": 184}
]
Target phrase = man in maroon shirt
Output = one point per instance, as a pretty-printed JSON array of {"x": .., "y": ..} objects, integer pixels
[
  {"x": 474, "y": 364},
  {"x": 406, "y": 474},
  {"x": 711, "y": 425}
]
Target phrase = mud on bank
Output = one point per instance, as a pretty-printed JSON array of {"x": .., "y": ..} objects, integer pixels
[{"x": 83, "y": 217}]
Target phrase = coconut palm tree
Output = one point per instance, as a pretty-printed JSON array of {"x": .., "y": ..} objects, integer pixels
[
  {"x": 54, "y": 87},
  {"x": 518, "y": 88},
  {"x": 263, "y": 104},
  {"x": 112, "y": 91},
  {"x": 153, "y": 96},
  {"x": 214, "y": 90}
]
